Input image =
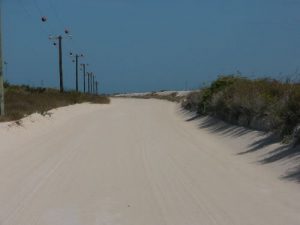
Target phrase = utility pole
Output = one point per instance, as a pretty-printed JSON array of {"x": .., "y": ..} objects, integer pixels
[
  {"x": 6, "y": 68},
  {"x": 76, "y": 68},
  {"x": 60, "y": 56},
  {"x": 83, "y": 68},
  {"x": 90, "y": 84},
  {"x": 76, "y": 72},
  {"x": 93, "y": 84},
  {"x": 96, "y": 87},
  {"x": 88, "y": 76},
  {"x": 61, "y": 79},
  {"x": 2, "y": 111}
]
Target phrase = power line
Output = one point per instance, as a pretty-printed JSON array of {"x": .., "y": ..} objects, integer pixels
[
  {"x": 42, "y": 15},
  {"x": 43, "y": 31},
  {"x": 38, "y": 7},
  {"x": 29, "y": 15},
  {"x": 48, "y": 31},
  {"x": 73, "y": 43},
  {"x": 58, "y": 18},
  {"x": 24, "y": 8},
  {"x": 46, "y": 26},
  {"x": 41, "y": 28}
]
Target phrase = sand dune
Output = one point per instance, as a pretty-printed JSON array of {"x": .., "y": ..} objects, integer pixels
[
  {"x": 137, "y": 162},
  {"x": 159, "y": 93}
]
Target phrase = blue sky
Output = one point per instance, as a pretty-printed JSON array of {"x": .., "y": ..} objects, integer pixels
[{"x": 139, "y": 45}]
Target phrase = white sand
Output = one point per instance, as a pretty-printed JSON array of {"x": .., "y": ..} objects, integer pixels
[
  {"x": 161, "y": 93},
  {"x": 135, "y": 162}
]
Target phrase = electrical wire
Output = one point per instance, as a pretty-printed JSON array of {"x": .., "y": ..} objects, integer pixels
[
  {"x": 56, "y": 14},
  {"x": 72, "y": 43},
  {"x": 40, "y": 11},
  {"x": 29, "y": 15},
  {"x": 33, "y": 50},
  {"x": 38, "y": 7},
  {"x": 42, "y": 29}
]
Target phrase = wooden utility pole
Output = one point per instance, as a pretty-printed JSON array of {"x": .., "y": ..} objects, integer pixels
[
  {"x": 83, "y": 68},
  {"x": 2, "y": 111},
  {"x": 60, "y": 57},
  {"x": 96, "y": 87},
  {"x": 88, "y": 76},
  {"x": 76, "y": 68},
  {"x": 76, "y": 59},
  {"x": 61, "y": 79},
  {"x": 93, "y": 84}
]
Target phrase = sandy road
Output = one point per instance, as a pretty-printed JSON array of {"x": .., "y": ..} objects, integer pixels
[{"x": 134, "y": 162}]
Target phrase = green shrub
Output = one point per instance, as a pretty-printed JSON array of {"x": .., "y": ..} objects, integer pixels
[{"x": 263, "y": 104}]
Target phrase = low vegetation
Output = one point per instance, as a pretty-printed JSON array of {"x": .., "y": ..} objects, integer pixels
[
  {"x": 24, "y": 100},
  {"x": 173, "y": 97},
  {"x": 262, "y": 104}
]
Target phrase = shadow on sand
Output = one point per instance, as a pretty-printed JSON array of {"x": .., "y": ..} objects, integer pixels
[{"x": 283, "y": 152}]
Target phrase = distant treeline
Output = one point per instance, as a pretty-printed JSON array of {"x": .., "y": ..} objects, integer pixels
[
  {"x": 262, "y": 104},
  {"x": 24, "y": 100}
]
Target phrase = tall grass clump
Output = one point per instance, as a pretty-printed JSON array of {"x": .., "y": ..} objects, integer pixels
[
  {"x": 25, "y": 100},
  {"x": 262, "y": 104}
]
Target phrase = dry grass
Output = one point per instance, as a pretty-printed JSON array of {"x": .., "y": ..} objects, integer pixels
[
  {"x": 24, "y": 100},
  {"x": 172, "y": 97},
  {"x": 263, "y": 104}
]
